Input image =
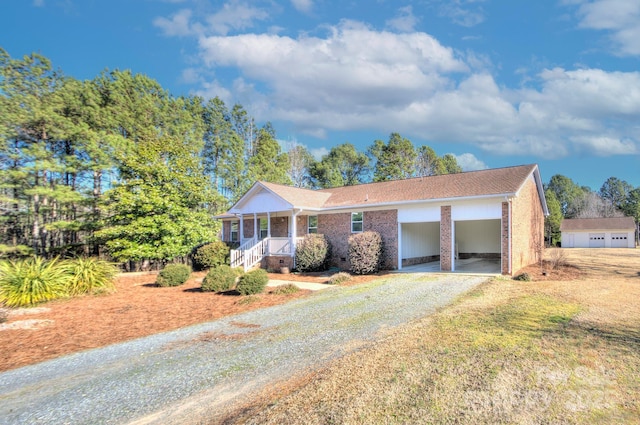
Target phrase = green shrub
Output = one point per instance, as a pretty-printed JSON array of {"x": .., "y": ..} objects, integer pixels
[
  {"x": 89, "y": 276},
  {"x": 173, "y": 275},
  {"x": 313, "y": 253},
  {"x": 523, "y": 277},
  {"x": 253, "y": 282},
  {"x": 211, "y": 255},
  {"x": 286, "y": 289},
  {"x": 15, "y": 251},
  {"x": 219, "y": 279},
  {"x": 339, "y": 278},
  {"x": 365, "y": 252},
  {"x": 28, "y": 282}
]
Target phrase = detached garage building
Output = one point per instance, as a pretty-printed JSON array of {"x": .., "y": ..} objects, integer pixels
[{"x": 617, "y": 232}]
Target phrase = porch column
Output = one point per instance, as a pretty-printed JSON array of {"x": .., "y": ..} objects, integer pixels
[
  {"x": 268, "y": 224},
  {"x": 505, "y": 235},
  {"x": 294, "y": 232},
  {"x": 255, "y": 227},
  {"x": 241, "y": 230},
  {"x": 446, "y": 239},
  {"x": 399, "y": 246}
]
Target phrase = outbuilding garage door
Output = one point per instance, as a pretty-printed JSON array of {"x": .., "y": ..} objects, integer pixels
[
  {"x": 596, "y": 240},
  {"x": 619, "y": 240}
]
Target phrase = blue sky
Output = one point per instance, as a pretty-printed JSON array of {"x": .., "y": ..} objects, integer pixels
[{"x": 496, "y": 83}]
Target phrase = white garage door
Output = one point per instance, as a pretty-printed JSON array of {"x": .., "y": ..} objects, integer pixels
[
  {"x": 596, "y": 240},
  {"x": 619, "y": 240}
]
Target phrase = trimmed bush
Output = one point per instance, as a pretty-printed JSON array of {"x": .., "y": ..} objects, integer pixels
[
  {"x": 211, "y": 255},
  {"x": 365, "y": 252},
  {"x": 219, "y": 279},
  {"x": 313, "y": 253},
  {"x": 173, "y": 275},
  {"x": 339, "y": 278},
  {"x": 29, "y": 282},
  {"x": 253, "y": 282},
  {"x": 89, "y": 276},
  {"x": 286, "y": 289}
]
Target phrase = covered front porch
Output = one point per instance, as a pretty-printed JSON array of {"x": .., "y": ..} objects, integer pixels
[{"x": 267, "y": 238}]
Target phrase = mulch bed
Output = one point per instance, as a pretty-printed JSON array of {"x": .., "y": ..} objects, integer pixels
[
  {"x": 547, "y": 271},
  {"x": 138, "y": 308}
]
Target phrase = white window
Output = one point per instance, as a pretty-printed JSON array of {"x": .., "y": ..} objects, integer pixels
[
  {"x": 356, "y": 222},
  {"x": 312, "y": 225},
  {"x": 234, "y": 231}
]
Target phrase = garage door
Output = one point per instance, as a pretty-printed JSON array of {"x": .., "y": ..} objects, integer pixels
[
  {"x": 619, "y": 240},
  {"x": 596, "y": 240}
]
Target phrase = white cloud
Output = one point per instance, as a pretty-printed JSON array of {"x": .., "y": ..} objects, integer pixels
[
  {"x": 304, "y": 6},
  {"x": 620, "y": 18},
  {"x": 404, "y": 22},
  {"x": 177, "y": 25},
  {"x": 235, "y": 15},
  {"x": 466, "y": 13},
  {"x": 353, "y": 67},
  {"x": 469, "y": 162},
  {"x": 358, "y": 78}
]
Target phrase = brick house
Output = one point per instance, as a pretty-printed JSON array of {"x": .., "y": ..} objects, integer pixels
[{"x": 496, "y": 213}]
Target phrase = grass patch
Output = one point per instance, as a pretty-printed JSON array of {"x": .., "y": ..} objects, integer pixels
[{"x": 500, "y": 354}]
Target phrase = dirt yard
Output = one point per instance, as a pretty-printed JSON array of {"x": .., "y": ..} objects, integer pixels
[{"x": 138, "y": 308}]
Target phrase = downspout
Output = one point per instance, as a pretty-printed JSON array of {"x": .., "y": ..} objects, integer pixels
[
  {"x": 399, "y": 246},
  {"x": 509, "y": 233}
]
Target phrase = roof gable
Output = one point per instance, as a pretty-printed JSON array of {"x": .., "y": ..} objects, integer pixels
[{"x": 590, "y": 224}]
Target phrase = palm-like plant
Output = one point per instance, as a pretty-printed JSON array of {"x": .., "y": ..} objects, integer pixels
[
  {"x": 89, "y": 276},
  {"x": 32, "y": 281}
]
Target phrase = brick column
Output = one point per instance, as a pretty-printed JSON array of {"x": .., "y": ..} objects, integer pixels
[
  {"x": 446, "y": 257},
  {"x": 504, "y": 238}
]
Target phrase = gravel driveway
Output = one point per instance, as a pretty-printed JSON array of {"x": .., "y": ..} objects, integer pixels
[{"x": 196, "y": 372}]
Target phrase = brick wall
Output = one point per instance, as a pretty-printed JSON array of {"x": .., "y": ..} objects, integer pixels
[
  {"x": 280, "y": 227},
  {"x": 226, "y": 230},
  {"x": 446, "y": 256},
  {"x": 276, "y": 262},
  {"x": 527, "y": 227},
  {"x": 337, "y": 229},
  {"x": 248, "y": 228},
  {"x": 385, "y": 223},
  {"x": 301, "y": 225}
]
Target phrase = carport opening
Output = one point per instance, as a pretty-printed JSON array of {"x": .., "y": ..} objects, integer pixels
[
  {"x": 420, "y": 243},
  {"x": 477, "y": 246}
]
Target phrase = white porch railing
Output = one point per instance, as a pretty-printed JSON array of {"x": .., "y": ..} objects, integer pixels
[
  {"x": 251, "y": 252},
  {"x": 237, "y": 255}
]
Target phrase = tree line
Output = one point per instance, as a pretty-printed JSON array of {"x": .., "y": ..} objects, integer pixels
[{"x": 118, "y": 167}]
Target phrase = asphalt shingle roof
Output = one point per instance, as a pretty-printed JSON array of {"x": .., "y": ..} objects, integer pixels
[
  {"x": 498, "y": 181},
  {"x": 584, "y": 224}
]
